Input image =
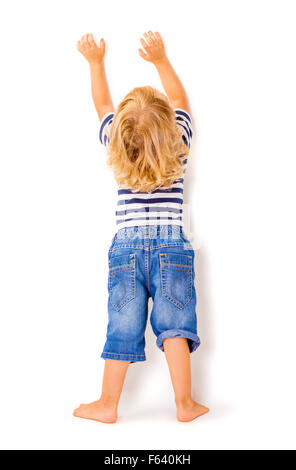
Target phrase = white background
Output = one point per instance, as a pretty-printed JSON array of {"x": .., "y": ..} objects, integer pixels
[{"x": 236, "y": 60}]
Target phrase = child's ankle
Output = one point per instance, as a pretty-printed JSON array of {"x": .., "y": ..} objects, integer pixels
[
  {"x": 184, "y": 401},
  {"x": 109, "y": 401}
]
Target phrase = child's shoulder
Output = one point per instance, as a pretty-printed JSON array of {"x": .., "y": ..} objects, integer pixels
[
  {"x": 183, "y": 119},
  {"x": 105, "y": 124}
]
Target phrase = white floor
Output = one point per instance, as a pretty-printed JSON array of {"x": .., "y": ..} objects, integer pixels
[
  {"x": 42, "y": 390},
  {"x": 43, "y": 426}
]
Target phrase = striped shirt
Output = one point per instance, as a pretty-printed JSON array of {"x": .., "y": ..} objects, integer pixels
[{"x": 162, "y": 206}]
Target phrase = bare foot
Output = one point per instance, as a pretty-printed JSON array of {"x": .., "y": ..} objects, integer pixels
[
  {"x": 97, "y": 411},
  {"x": 189, "y": 411}
]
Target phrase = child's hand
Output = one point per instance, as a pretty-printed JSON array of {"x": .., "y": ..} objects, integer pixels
[
  {"x": 90, "y": 50},
  {"x": 154, "y": 48}
]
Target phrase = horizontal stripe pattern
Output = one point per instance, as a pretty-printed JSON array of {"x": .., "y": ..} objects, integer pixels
[
  {"x": 153, "y": 210},
  {"x": 164, "y": 205}
]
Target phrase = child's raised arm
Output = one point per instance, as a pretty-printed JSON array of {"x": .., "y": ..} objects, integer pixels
[
  {"x": 99, "y": 86},
  {"x": 155, "y": 52}
]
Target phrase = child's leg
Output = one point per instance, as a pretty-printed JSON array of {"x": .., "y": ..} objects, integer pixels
[
  {"x": 105, "y": 409},
  {"x": 178, "y": 358}
]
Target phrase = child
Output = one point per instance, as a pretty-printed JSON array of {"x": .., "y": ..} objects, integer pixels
[{"x": 147, "y": 140}]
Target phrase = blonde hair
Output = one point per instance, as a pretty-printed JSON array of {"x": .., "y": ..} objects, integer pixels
[{"x": 146, "y": 149}]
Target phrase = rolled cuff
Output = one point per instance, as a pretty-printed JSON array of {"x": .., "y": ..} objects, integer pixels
[
  {"x": 193, "y": 339},
  {"x": 124, "y": 357}
]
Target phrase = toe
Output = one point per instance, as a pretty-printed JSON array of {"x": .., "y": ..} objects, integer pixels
[{"x": 75, "y": 412}]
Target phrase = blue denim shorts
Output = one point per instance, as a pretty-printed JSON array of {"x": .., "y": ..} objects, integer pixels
[{"x": 151, "y": 261}]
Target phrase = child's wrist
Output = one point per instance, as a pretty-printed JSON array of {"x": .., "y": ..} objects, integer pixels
[
  {"x": 96, "y": 64},
  {"x": 161, "y": 62}
]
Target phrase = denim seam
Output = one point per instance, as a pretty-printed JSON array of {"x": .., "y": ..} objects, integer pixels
[
  {"x": 166, "y": 245},
  {"x": 124, "y": 354},
  {"x": 163, "y": 263},
  {"x": 182, "y": 268},
  {"x": 123, "y": 286},
  {"x": 171, "y": 288},
  {"x": 147, "y": 266},
  {"x": 132, "y": 269},
  {"x": 148, "y": 285},
  {"x": 121, "y": 266},
  {"x": 112, "y": 244},
  {"x": 181, "y": 305},
  {"x": 185, "y": 334},
  {"x": 140, "y": 247},
  {"x": 178, "y": 264}
]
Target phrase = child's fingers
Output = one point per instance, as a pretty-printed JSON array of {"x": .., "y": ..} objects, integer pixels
[
  {"x": 142, "y": 54},
  {"x": 84, "y": 38},
  {"x": 102, "y": 45},
  {"x": 90, "y": 40},
  {"x": 147, "y": 37},
  {"x": 80, "y": 46},
  {"x": 158, "y": 37},
  {"x": 144, "y": 44},
  {"x": 84, "y": 42},
  {"x": 152, "y": 37}
]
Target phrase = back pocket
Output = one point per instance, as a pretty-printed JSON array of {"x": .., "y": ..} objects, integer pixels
[
  {"x": 122, "y": 282},
  {"x": 176, "y": 278}
]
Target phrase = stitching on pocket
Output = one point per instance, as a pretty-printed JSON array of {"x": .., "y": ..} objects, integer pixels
[
  {"x": 185, "y": 266},
  {"x": 123, "y": 286},
  {"x": 174, "y": 284},
  {"x": 167, "y": 255},
  {"x": 121, "y": 266},
  {"x": 166, "y": 290},
  {"x": 131, "y": 270}
]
